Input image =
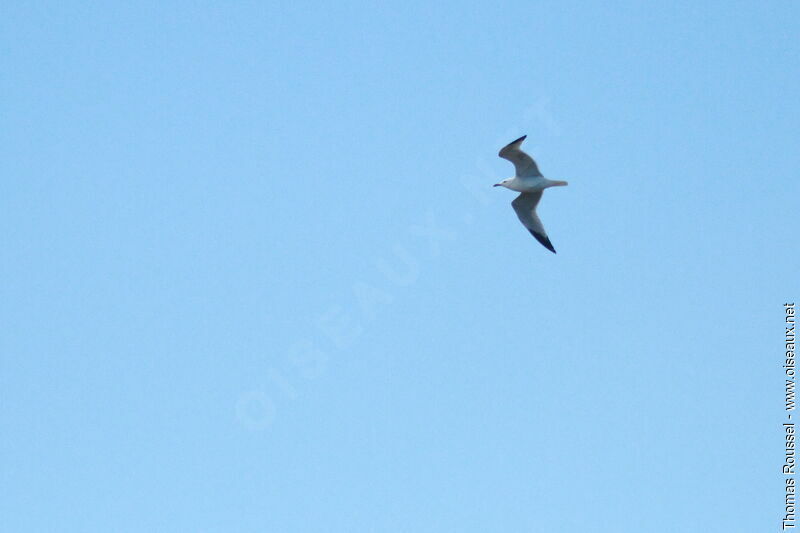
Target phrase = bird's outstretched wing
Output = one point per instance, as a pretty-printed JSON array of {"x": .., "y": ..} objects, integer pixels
[
  {"x": 525, "y": 207},
  {"x": 523, "y": 163}
]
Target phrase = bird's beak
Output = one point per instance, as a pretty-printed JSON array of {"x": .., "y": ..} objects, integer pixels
[{"x": 496, "y": 185}]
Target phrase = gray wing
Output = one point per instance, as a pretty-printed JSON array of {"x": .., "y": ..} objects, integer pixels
[
  {"x": 525, "y": 207},
  {"x": 523, "y": 163}
]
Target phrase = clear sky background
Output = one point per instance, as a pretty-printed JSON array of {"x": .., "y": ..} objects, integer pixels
[{"x": 254, "y": 276}]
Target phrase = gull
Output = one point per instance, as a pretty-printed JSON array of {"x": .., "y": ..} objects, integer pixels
[{"x": 530, "y": 183}]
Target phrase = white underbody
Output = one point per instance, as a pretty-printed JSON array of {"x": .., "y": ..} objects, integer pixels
[{"x": 528, "y": 183}]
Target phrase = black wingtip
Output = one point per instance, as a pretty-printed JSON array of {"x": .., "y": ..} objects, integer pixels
[
  {"x": 512, "y": 143},
  {"x": 544, "y": 240}
]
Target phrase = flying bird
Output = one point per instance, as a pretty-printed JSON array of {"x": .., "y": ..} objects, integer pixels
[{"x": 530, "y": 183}]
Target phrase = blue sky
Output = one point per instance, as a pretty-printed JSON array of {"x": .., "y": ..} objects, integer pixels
[{"x": 254, "y": 276}]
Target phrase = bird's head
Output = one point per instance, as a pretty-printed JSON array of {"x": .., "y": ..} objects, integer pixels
[{"x": 503, "y": 183}]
